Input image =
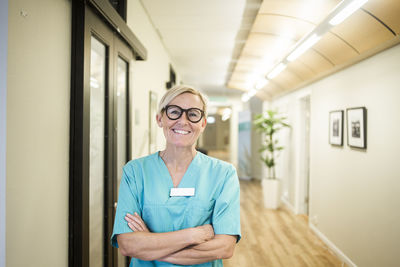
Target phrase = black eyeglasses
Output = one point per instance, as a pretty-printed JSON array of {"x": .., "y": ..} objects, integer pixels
[{"x": 175, "y": 112}]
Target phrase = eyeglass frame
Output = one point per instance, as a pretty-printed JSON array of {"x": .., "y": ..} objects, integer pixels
[{"x": 183, "y": 111}]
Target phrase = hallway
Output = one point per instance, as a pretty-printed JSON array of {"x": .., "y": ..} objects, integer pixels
[
  {"x": 80, "y": 83},
  {"x": 275, "y": 238}
]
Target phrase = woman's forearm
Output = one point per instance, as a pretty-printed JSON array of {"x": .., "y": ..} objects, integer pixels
[
  {"x": 220, "y": 247},
  {"x": 152, "y": 246}
]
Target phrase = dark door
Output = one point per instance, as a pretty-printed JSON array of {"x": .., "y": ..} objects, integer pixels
[{"x": 100, "y": 143}]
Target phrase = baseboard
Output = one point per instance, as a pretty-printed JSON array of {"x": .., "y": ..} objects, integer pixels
[
  {"x": 332, "y": 246},
  {"x": 287, "y": 204}
]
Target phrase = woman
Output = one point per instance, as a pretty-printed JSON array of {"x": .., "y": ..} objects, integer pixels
[{"x": 178, "y": 206}]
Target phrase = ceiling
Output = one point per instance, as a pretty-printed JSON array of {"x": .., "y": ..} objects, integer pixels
[{"x": 224, "y": 47}]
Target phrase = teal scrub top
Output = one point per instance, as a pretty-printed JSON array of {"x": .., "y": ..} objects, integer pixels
[{"x": 145, "y": 189}]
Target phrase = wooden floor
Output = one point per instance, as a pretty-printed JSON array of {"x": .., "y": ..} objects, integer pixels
[{"x": 275, "y": 238}]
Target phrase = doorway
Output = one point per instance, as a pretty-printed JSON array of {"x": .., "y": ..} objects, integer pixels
[
  {"x": 215, "y": 140},
  {"x": 303, "y": 198},
  {"x": 100, "y": 139}
]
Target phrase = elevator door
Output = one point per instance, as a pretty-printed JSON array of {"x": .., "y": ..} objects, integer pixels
[{"x": 109, "y": 74}]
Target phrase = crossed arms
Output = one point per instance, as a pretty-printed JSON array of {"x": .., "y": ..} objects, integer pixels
[{"x": 185, "y": 247}]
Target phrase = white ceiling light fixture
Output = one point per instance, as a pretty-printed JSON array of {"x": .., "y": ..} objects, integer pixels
[
  {"x": 245, "y": 97},
  {"x": 248, "y": 95},
  {"x": 278, "y": 69},
  {"x": 210, "y": 119},
  {"x": 347, "y": 11},
  {"x": 252, "y": 92},
  {"x": 226, "y": 114},
  {"x": 312, "y": 40},
  {"x": 261, "y": 83}
]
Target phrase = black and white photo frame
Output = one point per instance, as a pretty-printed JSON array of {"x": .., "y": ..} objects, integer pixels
[
  {"x": 336, "y": 127},
  {"x": 357, "y": 127}
]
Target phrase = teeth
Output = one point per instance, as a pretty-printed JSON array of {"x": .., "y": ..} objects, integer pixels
[{"x": 181, "y": 132}]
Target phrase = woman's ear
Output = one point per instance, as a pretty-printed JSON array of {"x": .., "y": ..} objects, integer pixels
[
  {"x": 158, "y": 118},
  {"x": 203, "y": 124}
]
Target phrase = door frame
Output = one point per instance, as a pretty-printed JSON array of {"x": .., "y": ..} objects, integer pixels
[
  {"x": 78, "y": 239},
  {"x": 302, "y": 182}
]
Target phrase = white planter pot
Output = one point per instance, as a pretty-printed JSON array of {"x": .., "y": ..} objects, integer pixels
[{"x": 271, "y": 193}]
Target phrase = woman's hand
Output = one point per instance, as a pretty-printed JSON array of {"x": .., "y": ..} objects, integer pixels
[
  {"x": 136, "y": 223},
  {"x": 203, "y": 233}
]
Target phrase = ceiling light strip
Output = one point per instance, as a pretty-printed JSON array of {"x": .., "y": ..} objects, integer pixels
[
  {"x": 278, "y": 69},
  {"x": 341, "y": 12},
  {"x": 347, "y": 11},
  {"x": 312, "y": 40}
]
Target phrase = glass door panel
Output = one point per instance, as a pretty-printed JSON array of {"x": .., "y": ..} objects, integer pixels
[{"x": 98, "y": 79}]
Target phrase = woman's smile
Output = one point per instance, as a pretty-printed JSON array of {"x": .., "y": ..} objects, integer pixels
[{"x": 181, "y": 131}]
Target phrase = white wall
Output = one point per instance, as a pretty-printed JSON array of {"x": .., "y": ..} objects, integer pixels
[
  {"x": 3, "y": 110},
  {"x": 354, "y": 194},
  {"x": 38, "y": 99},
  {"x": 151, "y": 74}
]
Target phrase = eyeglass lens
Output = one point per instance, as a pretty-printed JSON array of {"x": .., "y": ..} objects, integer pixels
[{"x": 175, "y": 112}]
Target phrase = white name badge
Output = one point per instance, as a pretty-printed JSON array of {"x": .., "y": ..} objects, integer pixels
[{"x": 181, "y": 192}]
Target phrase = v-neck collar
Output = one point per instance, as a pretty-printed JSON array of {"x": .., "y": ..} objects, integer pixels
[{"x": 185, "y": 181}]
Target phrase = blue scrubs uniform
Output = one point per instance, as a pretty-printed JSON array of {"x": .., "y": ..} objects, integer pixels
[{"x": 145, "y": 189}]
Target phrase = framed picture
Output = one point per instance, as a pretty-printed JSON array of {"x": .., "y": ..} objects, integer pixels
[
  {"x": 336, "y": 127},
  {"x": 357, "y": 127},
  {"x": 152, "y": 122}
]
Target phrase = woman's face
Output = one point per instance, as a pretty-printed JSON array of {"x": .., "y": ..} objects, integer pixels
[{"x": 182, "y": 132}]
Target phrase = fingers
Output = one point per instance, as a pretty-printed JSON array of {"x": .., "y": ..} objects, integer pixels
[
  {"x": 139, "y": 220},
  {"x": 136, "y": 223},
  {"x": 132, "y": 223}
]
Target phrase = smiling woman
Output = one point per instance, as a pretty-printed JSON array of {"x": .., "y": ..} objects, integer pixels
[
  {"x": 178, "y": 206},
  {"x": 181, "y": 132}
]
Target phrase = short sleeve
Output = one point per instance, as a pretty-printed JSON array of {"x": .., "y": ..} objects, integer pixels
[
  {"x": 127, "y": 203},
  {"x": 226, "y": 215}
]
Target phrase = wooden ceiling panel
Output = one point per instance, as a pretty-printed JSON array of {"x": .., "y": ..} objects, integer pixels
[
  {"x": 363, "y": 31},
  {"x": 268, "y": 43},
  {"x": 387, "y": 11},
  {"x": 315, "y": 61},
  {"x": 287, "y": 79},
  {"x": 237, "y": 85},
  {"x": 240, "y": 77},
  {"x": 311, "y": 11},
  {"x": 303, "y": 71},
  {"x": 263, "y": 95},
  {"x": 245, "y": 62},
  {"x": 280, "y": 24},
  {"x": 271, "y": 89},
  {"x": 288, "y": 27},
  {"x": 268, "y": 48},
  {"x": 335, "y": 49}
]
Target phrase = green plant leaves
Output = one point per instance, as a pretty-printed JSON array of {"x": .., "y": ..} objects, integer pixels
[{"x": 268, "y": 124}]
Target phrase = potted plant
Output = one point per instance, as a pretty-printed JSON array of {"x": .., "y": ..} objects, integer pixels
[{"x": 268, "y": 124}]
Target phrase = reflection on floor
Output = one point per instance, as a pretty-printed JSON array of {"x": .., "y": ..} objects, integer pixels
[{"x": 275, "y": 238}]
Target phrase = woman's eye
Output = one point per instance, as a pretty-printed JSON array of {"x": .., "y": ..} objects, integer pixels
[
  {"x": 194, "y": 114},
  {"x": 174, "y": 112}
]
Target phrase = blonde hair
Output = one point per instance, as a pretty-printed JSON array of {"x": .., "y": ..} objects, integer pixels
[{"x": 178, "y": 90}]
